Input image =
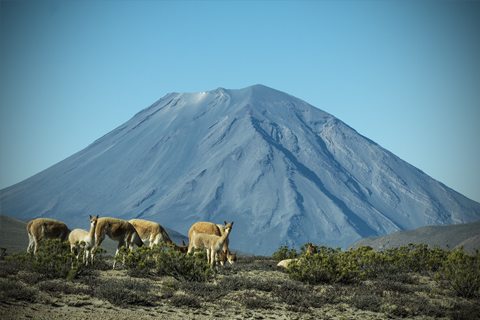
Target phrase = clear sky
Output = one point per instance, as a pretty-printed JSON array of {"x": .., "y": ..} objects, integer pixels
[{"x": 405, "y": 74}]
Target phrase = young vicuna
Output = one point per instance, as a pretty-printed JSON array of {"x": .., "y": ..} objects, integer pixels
[
  {"x": 79, "y": 235},
  {"x": 117, "y": 230},
  {"x": 44, "y": 228},
  {"x": 208, "y": 228},
  {"x": 212, "y": 243}
]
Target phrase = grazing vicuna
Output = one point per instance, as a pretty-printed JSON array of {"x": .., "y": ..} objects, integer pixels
[
  {"x": 150, "y": 231},
  {"x": 79, "y": 235},
  {"x": 227, "y": 256},
  {"x": 117, "y": 230},
  {"x": 213, "y": 243},
  {"x": 155, "y": 234},
  {"x": 43, "y": 228}
]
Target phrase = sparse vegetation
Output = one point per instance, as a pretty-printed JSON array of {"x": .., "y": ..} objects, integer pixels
[
  {"x": 162, "y": 260},
  {"x": 408, "y": 282}
]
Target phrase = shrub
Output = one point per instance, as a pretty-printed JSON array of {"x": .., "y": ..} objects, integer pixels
[
  {"x": 253, "y": 301},
  {"x": 461, "y": 273},
  {"x": 16, "y": 290},
  {"x": 138, "y": 263},
  {"x": 121, "y": 292},
  {"x": 416, "y": 258},
  {"x": 208, "y": 292},
  {"x": 297, "y": 296},
  {"x": 327, "y": 266},
  {"x": 186, "y": 300},
  {"x": 53, "y": 260},
  {"x": 284, "y": 253},
  {"x": 166, "y": 262}
]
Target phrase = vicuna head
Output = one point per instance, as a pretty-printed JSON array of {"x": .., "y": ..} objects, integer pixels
[
  {"x": 223, "y": 257},
  {"x": 232, "y": 257},
  {"x": 228, "y": 226},
  {"x": 312, "y": 249},
  {"x": 93, "y": 221},
  {"x": 227, "y": 256}
]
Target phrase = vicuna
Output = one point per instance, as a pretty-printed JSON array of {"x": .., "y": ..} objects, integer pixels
[
  {"x": 212, "y": 243},
  {"x": 79, "y": 235},
  {"x": 155, "y": 234},
  {"x": 231, "y": 257},
  {"x": 117, "y": 230},
  {"x": 44, "y": 228},
  {"x": 311, "y": 249}
]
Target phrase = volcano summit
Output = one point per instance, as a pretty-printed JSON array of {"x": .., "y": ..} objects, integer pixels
[{"x": 284, "y": 171}]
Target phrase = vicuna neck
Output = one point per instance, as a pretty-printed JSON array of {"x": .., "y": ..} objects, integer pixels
[{"x": 92, "y": 230}]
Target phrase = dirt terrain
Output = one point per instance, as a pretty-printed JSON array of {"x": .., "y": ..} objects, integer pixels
[
  {"x": 256, "y": 296},
  {"x": 253, "y": 288}
]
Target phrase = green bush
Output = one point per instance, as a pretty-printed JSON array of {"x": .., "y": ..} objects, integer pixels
[
  {"x": 121, "y": 292},
  {"x": 53, "y": 260},
  {"x": 461, "y": 273},
  {"x": 334, "y": 266},
  {"x": 285, "y": 253},
  {"x": 327, "y": 266},
  {"x": 415, "y": 258},
  {"x": 166, "y": 262}
]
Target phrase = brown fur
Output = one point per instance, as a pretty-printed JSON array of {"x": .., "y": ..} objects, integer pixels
[
  {"x": 151, "y": 231},
  {"x": 117, "y": 230},
  {"x": 221, "y": 228},
  {"x": 44, "y": 228},
  {"x": 182, "y": 249}
]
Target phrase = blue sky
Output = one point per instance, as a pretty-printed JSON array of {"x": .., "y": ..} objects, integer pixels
[{"x": 405, "y": 74}]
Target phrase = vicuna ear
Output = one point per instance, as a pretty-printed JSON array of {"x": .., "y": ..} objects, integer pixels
[
  {"x": 97, "y": 216},
  {"x": 90, "y": 217},
  {"x": 225, "y": 222}
]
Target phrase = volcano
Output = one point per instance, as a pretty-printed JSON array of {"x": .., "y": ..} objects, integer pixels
[{"x": 284, "y": 171}]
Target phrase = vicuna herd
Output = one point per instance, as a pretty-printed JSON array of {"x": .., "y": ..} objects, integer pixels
[{"x": 203, "y": 235}]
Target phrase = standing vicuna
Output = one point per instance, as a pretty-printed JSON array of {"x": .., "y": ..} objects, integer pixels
[
  {"x": 214, "y": 229},
  {"x": 212, "y": 243},
  {"x": 43, "y": 228},
  {"x": 117, "y": 230},
  {"x": 231, "y": 257},
  {"x": 79, "y": 235}
]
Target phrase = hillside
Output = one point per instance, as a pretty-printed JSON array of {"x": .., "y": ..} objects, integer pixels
[{"x": 466, "y": 235}]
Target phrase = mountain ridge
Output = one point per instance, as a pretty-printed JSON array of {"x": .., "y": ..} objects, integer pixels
[
  {"x": 283, "y": 170},
  {"x": 444, "y": 237}
]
